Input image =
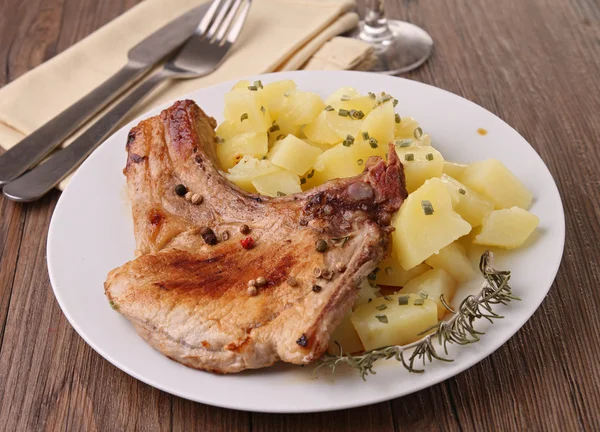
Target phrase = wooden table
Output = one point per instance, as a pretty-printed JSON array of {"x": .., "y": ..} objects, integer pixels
[{"x": 535, "y": 63}]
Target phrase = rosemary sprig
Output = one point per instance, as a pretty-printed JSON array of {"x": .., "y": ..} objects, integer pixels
[{"x": 459, "y": 329}]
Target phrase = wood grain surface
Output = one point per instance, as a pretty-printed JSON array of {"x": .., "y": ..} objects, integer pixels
[{"x": 534, "y": 63}]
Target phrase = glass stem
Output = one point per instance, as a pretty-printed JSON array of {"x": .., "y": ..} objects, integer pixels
[{"x": 375, "y": 27}]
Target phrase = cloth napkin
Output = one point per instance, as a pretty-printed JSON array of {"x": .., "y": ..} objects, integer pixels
[{"x": 278, "y": 35}]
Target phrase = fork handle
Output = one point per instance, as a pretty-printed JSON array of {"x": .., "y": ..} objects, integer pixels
[
  {"x": 41, "y": 179},
  {"x": 46, "y": 138}
]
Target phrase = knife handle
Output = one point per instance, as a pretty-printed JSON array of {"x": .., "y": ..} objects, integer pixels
[
  {"x": 43, "y": 140},
  {"x": 41, "y": 179}
]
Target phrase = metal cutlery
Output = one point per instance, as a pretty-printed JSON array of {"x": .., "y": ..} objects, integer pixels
[
  {"x": 200, "y": 55},
  {"x": 141, "y": 58}
]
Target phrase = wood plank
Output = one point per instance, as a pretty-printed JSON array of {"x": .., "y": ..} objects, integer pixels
[{"x": 375, "y": 418}]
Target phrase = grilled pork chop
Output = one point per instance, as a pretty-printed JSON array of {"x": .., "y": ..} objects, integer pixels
[{"x": 188, "y": 294}]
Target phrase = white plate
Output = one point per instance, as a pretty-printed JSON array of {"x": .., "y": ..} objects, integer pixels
[{"x": 91, "y": 233}]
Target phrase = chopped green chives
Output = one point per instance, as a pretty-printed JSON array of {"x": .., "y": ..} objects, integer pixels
[
  {"x": 258, "y": 84},
  {"x": 397, "y": 118},
  {"x": 274, "y": 128},
  {"x": 343, "y": 112},
  {"x": 404, "y": 142},
  {"x": 403, "y": 300},
  {"x": 302, "y": 180},
  {"x": 423, "y": 295},
  {"x": 372, "y": 95},
  {"x": 418, "y": 133},
  {"x": 329, "y": 108},
  {"x": 429, "y": 156},
  {"x": 280, "y": 194},
  {"x": 345, "y": 98},
  {"x": 244, "y": 117},
  {"x": 462, "y": 191},
  {"x": 395, "y": 102},
  {"x": 373, "y": 143},
  {"x": 360, "y": 162},
  {"x": 262, "y": 108},
  {"x": 382, "y": 318},
  {"x": 427, "y": 207},
  {"x": 311, "y": 174},
  {"x": 252, "y": 88},
  {"x": 381, "y": 307},
  {"x": 365, "y": 135},
  {"x": 419, "y": 302},
  {"x": 409, "y": 157}
]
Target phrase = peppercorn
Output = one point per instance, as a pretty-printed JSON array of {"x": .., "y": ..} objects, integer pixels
[
  {"x": 316, "y": 288},
  {"x": 180, "y": 190},
  {"x": 252, "y": 290},
  {"x": 245, "y": 229},
  {"x": 261, "y": 281},
  {"x": 247, "y": 243},
  {"x": 209, "y": 236},
  {"x": 321, "y": 245}
]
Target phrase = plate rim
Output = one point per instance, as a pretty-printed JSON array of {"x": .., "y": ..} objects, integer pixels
[{"x": 465, "y": 363}]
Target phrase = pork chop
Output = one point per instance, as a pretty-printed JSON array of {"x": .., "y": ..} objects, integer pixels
[{"x": 187, "y": 293}]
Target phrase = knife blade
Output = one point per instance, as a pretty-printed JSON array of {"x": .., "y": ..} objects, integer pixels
[{"x": 141, "y": 58}]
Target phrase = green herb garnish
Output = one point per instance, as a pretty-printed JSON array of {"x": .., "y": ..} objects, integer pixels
[
  {"x": 397, "y": 118},
  {"x": 418, "y": 133},
  {"x": 382, "y": 318},
  {"x": 409, "y": 157},
  {"x": 427, "y": 207},
  {"x": 403, "y": 300},
  {"x": 462, "y": 191},
  {"x": 244, "y": 117},
  {"x": 343, "y": 112},
  {"x": 429, "y": 156},
  {"x": 381, "y": 307}
]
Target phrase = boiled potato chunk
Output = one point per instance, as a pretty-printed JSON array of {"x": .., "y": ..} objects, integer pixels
[
  {"x": 272, "y": 95},
  {"x": 420, "y": 164},
  {"x": 379, "y": 124},
  {"x": 346, "y": 336},
  {"x": 243, "y": 109},
  {"x": 366, "y": 291},
  {"x": 227, "y": 130},
  {"x": 241, "y": 85},
  {"x": 393, "y": 274},
  {"x": 294, "y": 155},
  {"x": 470, "y": 205},
  {"x": 342, "y": 126},
  {"x": 301, "y": 107},
  {"x": 360, "y": 103},
  {"x": 492, "y": 179},
  {"x": 342, "y": 92},
  {"x": 454, "y": 169},
  {"x": 337, "y": 162},
  {"x": 454, "y": 260},
  {"x": 507, "y": 228},
  {"x": 320, "y": 131},
  {"x": 277, "y": 183},
  {"x": 394, "y": 325},
  {"x": 253, "y": 144},
  {"x": 419, "y": 235},
  {"x": 434, "y": 283},
  {"x": 406, "y": 128},
  {"x": 247, "y": 170}
]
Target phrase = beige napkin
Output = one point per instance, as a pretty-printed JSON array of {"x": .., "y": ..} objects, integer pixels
[{"x": 278, "y": 35}]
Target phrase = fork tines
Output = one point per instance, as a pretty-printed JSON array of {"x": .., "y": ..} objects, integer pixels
[{"x": 224, "y": 20}]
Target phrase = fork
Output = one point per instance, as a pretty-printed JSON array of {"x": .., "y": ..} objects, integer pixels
[{"x": 201, "y": 55}]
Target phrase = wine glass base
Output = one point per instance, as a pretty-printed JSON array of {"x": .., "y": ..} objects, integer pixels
[{"x": 401, "y": 49}]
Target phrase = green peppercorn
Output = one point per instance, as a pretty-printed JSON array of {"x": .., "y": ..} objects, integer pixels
[{"x": 180, "y": 190}]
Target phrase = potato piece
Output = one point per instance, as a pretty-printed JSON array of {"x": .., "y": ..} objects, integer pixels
[
  {"x": 507, "y": 228},
  {"x": 246, "y": 144},
  {"x": 337, "y": 162},
  {"x": 394, "y": 325},
  {"x": 301, "y": 107},
  {"x": 320, "y": 131},
  {"x": 345, "y": 335},
  {"x": 247, "y": 170},
  {"x": 493, "y": 179},
  {"x": 379, "y": 124},
  {"x": 434, "y": 283},
  {"x": 454, "y": 260},
  {"x": 420, "y": 164},
  {"x": 470, "y": 205},
  {"x": 366, "y": 291},
  {"x": 294, "y": 155},
  {"x": 393, "y": 274},
  {"x": 272, "y": 95},
  {"x": 227, "y": 130},
  {"x": 342, "y": 126},
  {"x": 419, "y": 235},
  {"x": 454, "y": 169},
  {"x": 243, "y": 108},
  {"x": 283, "y": 127},
  {"x": 406, "y": 128},
  {"x": 241, "y": 85},
  {"x": 277, "y": 183},
  {"x": 342, "y": 92},
  {"x": 360, "y": 103}
]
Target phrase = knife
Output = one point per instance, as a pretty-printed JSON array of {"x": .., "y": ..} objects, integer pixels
[{"x": 141, "y": 58}]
